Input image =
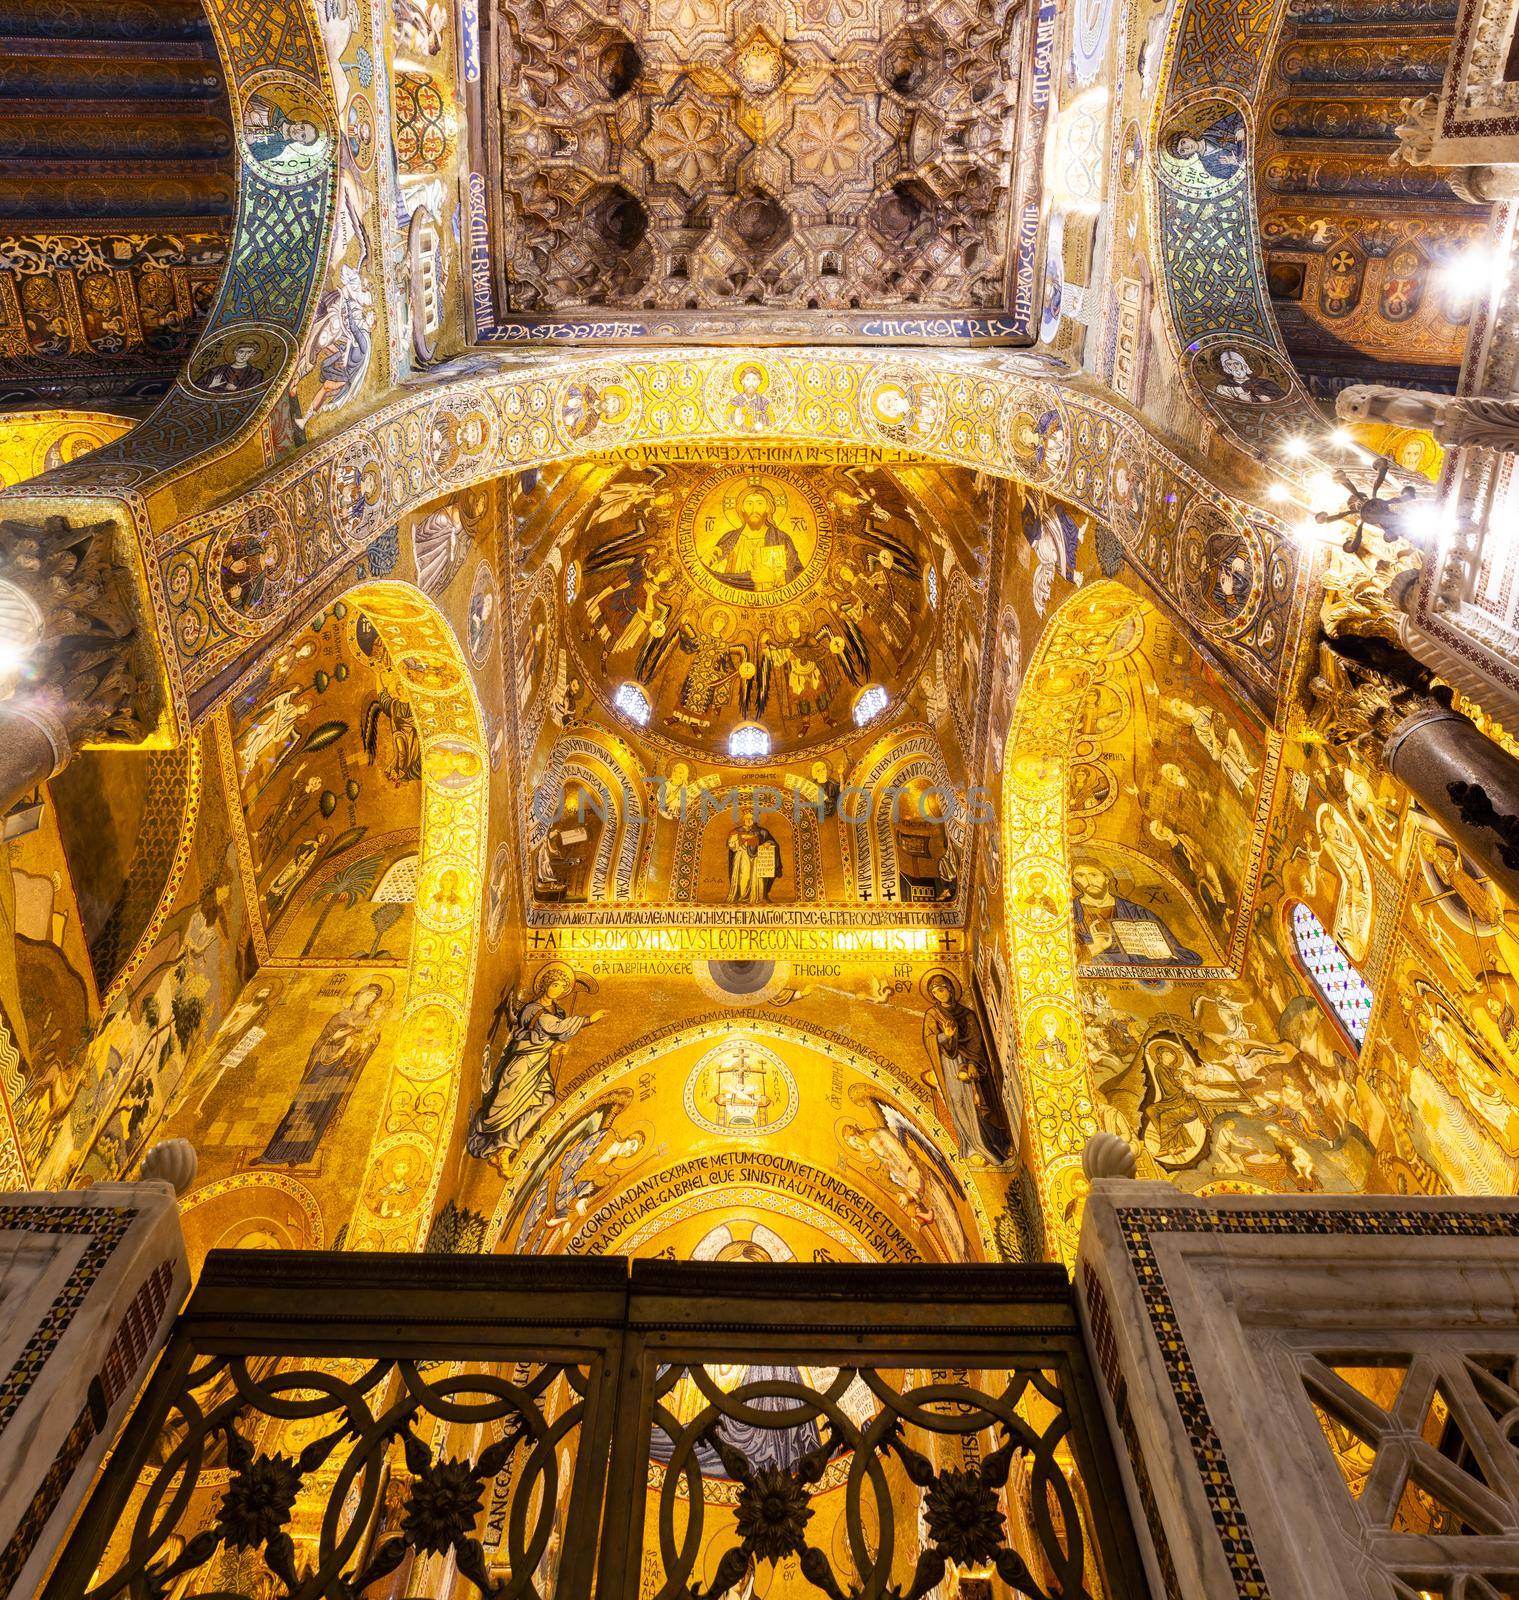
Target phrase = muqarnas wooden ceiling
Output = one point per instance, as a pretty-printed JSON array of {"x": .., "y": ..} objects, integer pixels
[{"x": 700, "y": 156}]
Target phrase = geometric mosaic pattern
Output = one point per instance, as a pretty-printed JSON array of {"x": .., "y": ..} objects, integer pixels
[{"x": 105, "y": 1230}]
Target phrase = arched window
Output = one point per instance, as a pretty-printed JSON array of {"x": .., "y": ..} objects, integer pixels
[
  {"x": 1336, "y": 977},
  {"x": 633, "y": 703},
  {"x": 869, "y": 703},
  {"x": 749, "y": 741}
]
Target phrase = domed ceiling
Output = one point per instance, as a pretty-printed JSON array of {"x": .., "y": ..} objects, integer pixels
[{"x": 705, "y": 597}]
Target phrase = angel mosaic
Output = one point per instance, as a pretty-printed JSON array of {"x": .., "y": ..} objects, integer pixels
[
  {"x": 911, "y": 1166},
  {"x": 338, "y": 346},
  {"x": 748, "y": 596},
  {"x": 519, "y": 1088}
]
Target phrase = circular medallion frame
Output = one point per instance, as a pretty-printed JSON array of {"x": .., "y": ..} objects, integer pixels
[
  {"x": 765, "y": 1059},
  {"x": 757, "y": 524},
  {"x": 284, "y": 131}
]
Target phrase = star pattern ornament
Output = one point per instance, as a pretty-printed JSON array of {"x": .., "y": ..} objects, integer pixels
[
  {"x": 689, "y": 144},
  {"x": 830, "y": 142},
  {"x": 710, "y": 158}
]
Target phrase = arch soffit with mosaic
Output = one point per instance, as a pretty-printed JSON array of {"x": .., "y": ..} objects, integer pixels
[
  {"x": 414, "y": 1116},
  {"x": 606, "y": 1073},
  {"x": 603, "y": 761},
  {"x": 1095, "y": 631},
  {"x": 1098, "y": 627},
  {"x": 275, "y": 261},
  {"x": 907, "y": 753},
  {"x": 319, "y": 512},
  {"x": 1204, "y": 228}
]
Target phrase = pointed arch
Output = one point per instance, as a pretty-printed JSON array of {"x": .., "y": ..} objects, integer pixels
[
  {"x": 721, "y": 809},
  {"x": 907, "y": 755},
  {"x": 978, "y": 410},
  {"x": 798, "y": 1175},
  {"x": 611, "y": 771},
  {"x": 414, "y": 1117},
  {"x": 1096, "y": 627}
]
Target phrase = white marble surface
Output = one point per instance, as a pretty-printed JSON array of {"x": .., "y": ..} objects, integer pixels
[
  {"x": 36, "y": 1264},
  {"x": 1262, "y": 1318}
]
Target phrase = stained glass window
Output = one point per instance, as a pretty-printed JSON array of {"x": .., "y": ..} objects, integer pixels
[
  {"x": 1335, "y": 975},
  {"x": 633, "y": 703}
]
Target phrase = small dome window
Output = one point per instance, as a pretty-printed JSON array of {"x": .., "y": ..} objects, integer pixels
[
  {"x": 749, "y": 741},
  {"x": 871, "y": 701},
  {"x": 632, "y": 703}
]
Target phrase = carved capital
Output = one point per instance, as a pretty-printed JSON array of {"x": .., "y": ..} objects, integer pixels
[
  {"x": 1364, "y": 589},
  {"x": 1482, "y": 185},
  {"x": 1491, "y": 421},
  {"x": 1363, "y": 691},
  {"x": 68, "y": 639},
  {"x": 1417, "y": 131}
]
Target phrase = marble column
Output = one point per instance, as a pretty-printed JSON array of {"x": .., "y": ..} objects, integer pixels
[
  {"x": 1466, "y": 782},
  {"x": 70, "y": 667}
]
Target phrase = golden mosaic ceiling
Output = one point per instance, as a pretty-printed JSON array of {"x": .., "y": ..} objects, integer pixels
[
  {"x": 698, "y": 154},
  {"x": 721, "y": 594}
]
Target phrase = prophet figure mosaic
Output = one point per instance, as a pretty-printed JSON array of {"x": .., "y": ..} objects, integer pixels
[{"x": 519, "y": 1086}]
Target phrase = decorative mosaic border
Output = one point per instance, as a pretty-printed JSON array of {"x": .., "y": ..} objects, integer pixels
[
  {"x": 1138, "y": 1224},
  {"x": 105, "y": 1230},
  {"x": 178, "y": 866},
  {"x": 1479, "y": 122},
  {"x": 1105, "y": 1347},
  {"x": 1213, "y": 281}
]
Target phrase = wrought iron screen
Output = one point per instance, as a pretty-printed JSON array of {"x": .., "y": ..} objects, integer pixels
[{"x": 325, "y": 1427}]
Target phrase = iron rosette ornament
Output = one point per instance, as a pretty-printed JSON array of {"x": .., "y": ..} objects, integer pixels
[
  {"x": 862, "y": 1451},
  {"x": 372, "y": 1492}
]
